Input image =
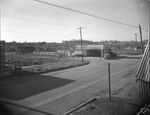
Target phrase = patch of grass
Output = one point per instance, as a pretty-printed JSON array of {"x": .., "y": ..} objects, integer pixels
[{"x": 28, "y": 59}]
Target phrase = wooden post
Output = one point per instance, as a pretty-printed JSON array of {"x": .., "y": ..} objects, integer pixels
[
  {"x": 141, "y": 39},
  {"x": 109, "y": 81},
  {"x": 136, "y": 42},
  {"x": 81, "y": 42}
]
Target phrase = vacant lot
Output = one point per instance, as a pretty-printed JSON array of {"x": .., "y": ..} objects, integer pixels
[
  {"x": 37, "y": 63},
  {"x": 27, "y": 59}
]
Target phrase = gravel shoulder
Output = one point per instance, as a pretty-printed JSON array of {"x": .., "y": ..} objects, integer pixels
[{"x": 124, "y": 99}]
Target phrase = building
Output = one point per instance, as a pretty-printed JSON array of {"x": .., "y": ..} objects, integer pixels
[
  {"x": 90, "y": 50},
  {"x": 41, "y": 49},
  {"x": 69, "y": 52}
]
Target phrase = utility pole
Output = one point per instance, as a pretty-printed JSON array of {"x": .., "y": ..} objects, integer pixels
[
  {"x": 81, "y": 41},
  {"x": 109, "y": 81},
  {"x": 141, "y": 39},
  {"x": 136, "y": 42}
]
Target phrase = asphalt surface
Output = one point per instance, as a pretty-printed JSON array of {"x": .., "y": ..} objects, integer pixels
[
  {"x": 89, "y": 79},
  {"x": 25, "y": 87}
]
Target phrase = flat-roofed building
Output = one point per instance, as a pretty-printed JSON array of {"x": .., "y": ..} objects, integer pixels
[{"x": 90, "y": 50}]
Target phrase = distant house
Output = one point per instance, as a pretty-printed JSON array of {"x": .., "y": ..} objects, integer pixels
[
  {"x": 66, "y": 52},
  {"x": 42, "y": 49},
  {"x": 26, "y": 49}
]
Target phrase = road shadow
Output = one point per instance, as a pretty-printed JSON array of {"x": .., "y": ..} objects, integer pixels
[
  {"x": 18, "y": 85},
  {"x": 5, "y": 110},
  {"x": 18, "y": 89},
  {"x": 128, "y": 57}
]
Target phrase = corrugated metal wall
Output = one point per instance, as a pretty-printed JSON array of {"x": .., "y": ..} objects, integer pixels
[{"x": 143, "y": 77}]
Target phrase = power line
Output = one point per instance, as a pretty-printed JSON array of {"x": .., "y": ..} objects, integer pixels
[
  {"x": 39, "y": 21},
  {"x": 27, "y": 20},
  {"x": 80, "y": 12},
  {"x": 19, "y": 32},
  {"x": 35, "y": 21},
  {"x": 24, "y": 32}
]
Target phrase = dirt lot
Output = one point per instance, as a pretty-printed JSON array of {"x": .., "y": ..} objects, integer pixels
[
  {"x": 27, "y": 59},
  {"x": 62, "y": 64},
  {"x": 20, "y": 64}
]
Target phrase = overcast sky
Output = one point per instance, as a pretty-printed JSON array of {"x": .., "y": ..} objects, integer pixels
[{"x": 32, "y": 21}]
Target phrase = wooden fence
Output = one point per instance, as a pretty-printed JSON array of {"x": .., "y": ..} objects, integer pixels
[{"x": 128, "y": 52}]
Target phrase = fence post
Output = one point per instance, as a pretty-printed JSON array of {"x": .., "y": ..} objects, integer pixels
[{"x": 109, "y": 81}]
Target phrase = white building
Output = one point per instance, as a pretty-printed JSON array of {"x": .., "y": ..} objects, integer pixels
[{"x": 90, "y": 50}]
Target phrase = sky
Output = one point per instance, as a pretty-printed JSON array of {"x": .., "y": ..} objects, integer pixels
[{"x": 32, "y": 21}]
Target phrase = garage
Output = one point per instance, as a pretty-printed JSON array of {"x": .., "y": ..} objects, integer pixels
[{"x": 93, "y": 52}]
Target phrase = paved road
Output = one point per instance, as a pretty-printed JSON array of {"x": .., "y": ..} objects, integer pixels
[{"x": 89, "y": 80}]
